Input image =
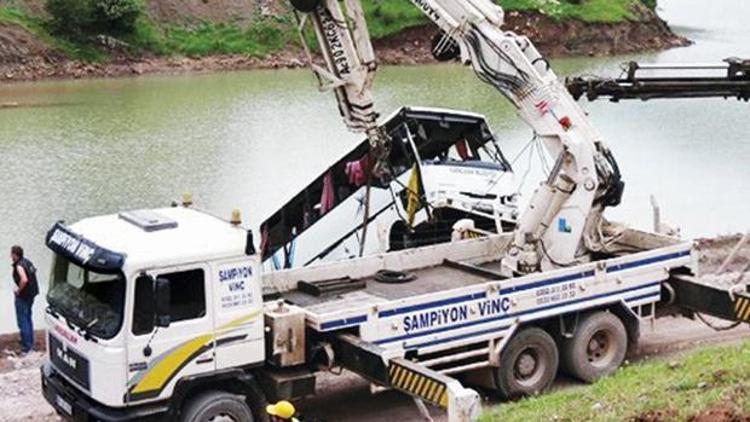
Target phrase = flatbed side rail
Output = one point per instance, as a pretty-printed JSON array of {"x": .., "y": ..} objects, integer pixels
[
  {"x": 731, "y": 304},
  {"x": 369, "y": 361}
]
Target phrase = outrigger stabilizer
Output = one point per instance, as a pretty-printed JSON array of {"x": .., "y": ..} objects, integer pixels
[
  {"x": 690, "y": 297},
  {"x": 730, "y": 79},
  {"x": 693, "y": 298}
]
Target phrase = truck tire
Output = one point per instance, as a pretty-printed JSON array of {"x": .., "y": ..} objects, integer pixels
[
  {"x": 217, "y": 406},
  {"x": 528, "y": 364},
  {"x": 597, "y": 347}
]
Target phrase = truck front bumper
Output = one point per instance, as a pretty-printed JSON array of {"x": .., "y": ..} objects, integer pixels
[{"x": 72, "y": 405}]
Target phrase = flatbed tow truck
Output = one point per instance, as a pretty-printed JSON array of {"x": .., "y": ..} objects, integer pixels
[
  {"x": 218, "y": 345},
  {"x": 166, "y": 314}
]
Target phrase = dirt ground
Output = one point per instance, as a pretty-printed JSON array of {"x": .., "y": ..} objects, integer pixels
[{"x": 348, "y": 398}]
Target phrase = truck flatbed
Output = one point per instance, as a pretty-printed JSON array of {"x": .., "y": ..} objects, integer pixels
[
  {"x": 426, "y": 281},
  {"x": 460, "y": 297}
]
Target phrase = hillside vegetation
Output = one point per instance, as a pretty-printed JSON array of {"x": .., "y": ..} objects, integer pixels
[
  {"x": 387, "y": 17},
  {"x": 90, "y": 30}
]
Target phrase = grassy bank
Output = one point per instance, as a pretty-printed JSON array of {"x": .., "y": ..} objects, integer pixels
[
  {"x": 271, "y": 34},
  {"x": 38, "y": 27},
  {"x": 263, "y": 37},
  {"x": 590, "y": 11},
  {"x": 713, "y": 379},
  {"x": 389, "y": 17}
]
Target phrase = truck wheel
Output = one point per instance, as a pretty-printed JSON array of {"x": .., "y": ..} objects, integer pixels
[
  {"x": 528, "y": 364},
  {"x": 216, "y": 406},
  {"x": 597, "y": 348}
]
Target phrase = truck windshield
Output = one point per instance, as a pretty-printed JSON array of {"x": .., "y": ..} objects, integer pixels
[{"x": 92, "y": 301}]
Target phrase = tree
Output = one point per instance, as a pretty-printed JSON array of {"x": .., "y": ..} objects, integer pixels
[{"x": 79, "y": 18}]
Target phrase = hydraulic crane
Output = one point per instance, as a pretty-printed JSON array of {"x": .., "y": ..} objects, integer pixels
[{"x": 563, "y": 224}]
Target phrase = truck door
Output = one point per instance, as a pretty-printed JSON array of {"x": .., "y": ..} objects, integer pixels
[
  {"x": 238, "y": 303},
  {"x": 159, "y": 356}
]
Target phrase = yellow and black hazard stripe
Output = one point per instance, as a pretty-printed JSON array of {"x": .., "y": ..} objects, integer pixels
[
  {"x": 742, "y": 308},
  {"x": 418, "y": 384}
]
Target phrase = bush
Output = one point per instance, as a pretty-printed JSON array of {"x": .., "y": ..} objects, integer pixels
[
  {"x": 117, "y": 16},
  {"x": 85, "y": 17},
  {"x": 71, "y": 17}
]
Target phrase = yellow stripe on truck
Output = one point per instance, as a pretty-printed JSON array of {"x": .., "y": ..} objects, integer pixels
[{"x": 158, "y": 375}]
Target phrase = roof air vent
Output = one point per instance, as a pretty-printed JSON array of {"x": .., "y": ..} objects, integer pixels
[{"x": 147, "y": 220}]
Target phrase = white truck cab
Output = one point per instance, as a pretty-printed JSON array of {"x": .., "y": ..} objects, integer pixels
[{"x": 140, "y": 297}]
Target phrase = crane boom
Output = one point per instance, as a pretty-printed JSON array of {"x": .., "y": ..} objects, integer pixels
[
  {"x": 670, "y": 81},
  {"x": 349, "y": 63},
  {"x": 562, "y": 224}
]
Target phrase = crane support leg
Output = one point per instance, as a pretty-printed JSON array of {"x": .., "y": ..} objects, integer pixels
[
  {"x": 731, "y": 304},
  {"x": 367, "y": 360}
]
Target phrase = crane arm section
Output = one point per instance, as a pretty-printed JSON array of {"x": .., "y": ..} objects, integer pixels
[
  {"x": 348, "y": 63},
  {"x": 562, "y": 224}
]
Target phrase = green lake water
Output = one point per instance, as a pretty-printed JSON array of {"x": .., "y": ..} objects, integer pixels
[{"x": 250, "y": 140}]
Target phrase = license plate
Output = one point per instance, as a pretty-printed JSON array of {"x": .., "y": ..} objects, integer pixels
[{"x": 64, "y": 405}]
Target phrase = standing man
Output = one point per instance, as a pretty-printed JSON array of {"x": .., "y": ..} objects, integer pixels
[{"x": 24, "y": 275}]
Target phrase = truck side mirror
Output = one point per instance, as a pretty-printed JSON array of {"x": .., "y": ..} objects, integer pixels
[{"x": 162, "y": 299}]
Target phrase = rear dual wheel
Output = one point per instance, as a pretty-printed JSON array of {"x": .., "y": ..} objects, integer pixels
[
  {"x": 597, "y": 347},
  {"x": 528, "y": 364}
]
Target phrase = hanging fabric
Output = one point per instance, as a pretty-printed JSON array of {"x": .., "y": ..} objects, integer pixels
[
  {"x": 356, "y": 171},
  {"x": 327, "y": 197},
  {"x": 462, "y": 149},
  {"x": 412, "y": 198}
]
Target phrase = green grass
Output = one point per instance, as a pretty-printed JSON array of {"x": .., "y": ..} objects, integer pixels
[
  {"x": 38, "y": 27},
  {"x": 387, "y": 17},
  {"x": 702, "y": 379},
  {"x": 592, "y": 11},
  {"x": 15, "y": 16},
  {"x": 259, "y": 39}
]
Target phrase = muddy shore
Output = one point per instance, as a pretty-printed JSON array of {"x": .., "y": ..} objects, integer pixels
[{"x": 24, "y": 58}]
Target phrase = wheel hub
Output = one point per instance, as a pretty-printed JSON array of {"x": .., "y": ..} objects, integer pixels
[
  {"x": 598, "y": 346},
  {"x": 526, "y": 364}
]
